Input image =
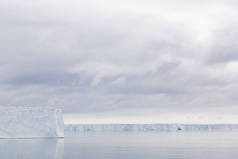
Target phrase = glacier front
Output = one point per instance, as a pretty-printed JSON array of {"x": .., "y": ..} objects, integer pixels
[
  {"x": 78, "y": 128},
  {"x": 31, "y": 122}
]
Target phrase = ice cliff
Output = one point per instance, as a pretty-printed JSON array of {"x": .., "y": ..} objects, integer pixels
[
  {"x": 32, "y": 149},
  {"x": 31, "y": 122},
  {"x": 75, "y": 128}
]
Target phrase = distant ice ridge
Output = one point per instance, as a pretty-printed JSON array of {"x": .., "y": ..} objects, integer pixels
[
  {"x": 77, "y": 128},
  {"x": 31, "y": 122}
]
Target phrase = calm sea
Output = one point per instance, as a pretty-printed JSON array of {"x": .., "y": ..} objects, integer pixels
[{"x": 126, "y": 145}]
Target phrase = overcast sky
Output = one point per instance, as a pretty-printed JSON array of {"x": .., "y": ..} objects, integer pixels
[{"x": 120, "y": 56}]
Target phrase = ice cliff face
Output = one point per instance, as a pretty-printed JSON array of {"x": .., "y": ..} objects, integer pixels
[
  {"x": 148, "y": 127},
  {"x": 30, "y": 122},
  {"x": 32, "y": 149}
]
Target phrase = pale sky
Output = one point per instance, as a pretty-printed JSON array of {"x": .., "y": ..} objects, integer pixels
[{"x": 150, "y": 60}]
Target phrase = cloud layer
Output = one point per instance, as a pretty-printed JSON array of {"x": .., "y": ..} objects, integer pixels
[{"x": 112, "y": 56}]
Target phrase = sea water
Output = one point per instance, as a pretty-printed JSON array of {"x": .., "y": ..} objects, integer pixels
[{"x": 125, "y": 145}]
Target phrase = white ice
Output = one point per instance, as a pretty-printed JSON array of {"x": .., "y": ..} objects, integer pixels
[
  {"x": 31, "y": 122},
  {"x": 148, "y": 127}
]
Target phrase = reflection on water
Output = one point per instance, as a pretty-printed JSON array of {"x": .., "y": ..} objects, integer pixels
[
  {"x": 125, "y": 146},
  {"x": 31, "y": 148},
  {"x": 183, "y": 145}
]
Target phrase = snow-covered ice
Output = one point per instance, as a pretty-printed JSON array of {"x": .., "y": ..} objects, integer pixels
[{"x": 31, "y": 122}]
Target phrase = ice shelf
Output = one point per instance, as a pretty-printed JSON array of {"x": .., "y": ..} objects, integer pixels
[
  {"x": 31, "y": 122},
  {"x": 77, "y": 128}
]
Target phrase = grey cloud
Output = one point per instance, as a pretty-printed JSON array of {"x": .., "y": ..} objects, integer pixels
[
  {"x": 224, "y": 49},
  {"x": 85, "y": 57}
]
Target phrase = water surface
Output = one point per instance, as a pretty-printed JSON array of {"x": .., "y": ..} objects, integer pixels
[
  {"x": 221, "y": 145},
  {"x": 125, "y": 145}
]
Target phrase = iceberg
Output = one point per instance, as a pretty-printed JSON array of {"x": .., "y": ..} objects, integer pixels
[
  {"x": 31, "y": 122},
  {"x": 32, "y": 149}
]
